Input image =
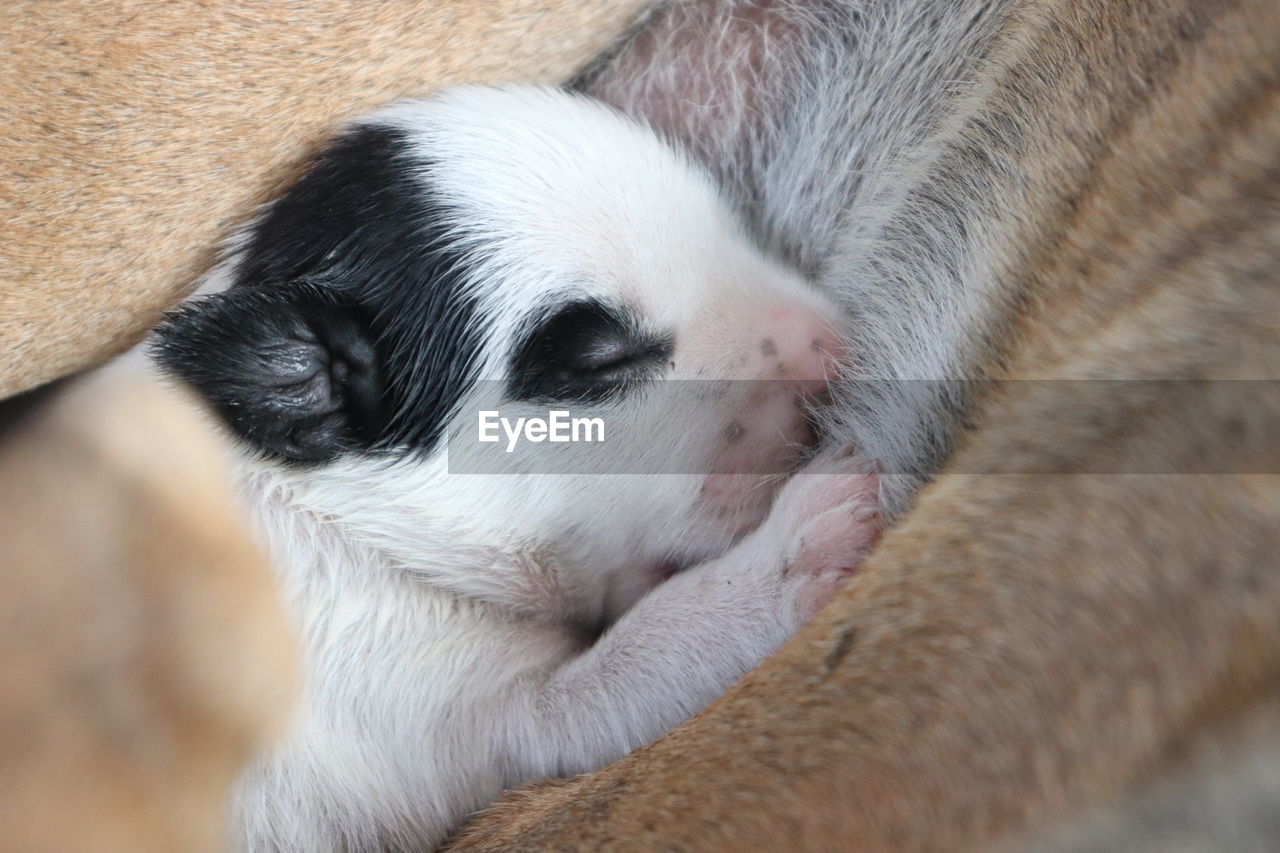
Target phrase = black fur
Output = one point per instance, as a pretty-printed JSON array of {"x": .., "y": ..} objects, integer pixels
[
  {"x": 586, "y": 352},
  {"x": 289, "y": 370},
  {"x": 347, "y": 327}
]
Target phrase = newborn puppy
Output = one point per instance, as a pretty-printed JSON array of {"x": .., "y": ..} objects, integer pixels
[{"x": 473, "y": 618}]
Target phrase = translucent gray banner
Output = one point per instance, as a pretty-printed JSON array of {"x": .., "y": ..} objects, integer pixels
[{"x": 764, "y": 427}]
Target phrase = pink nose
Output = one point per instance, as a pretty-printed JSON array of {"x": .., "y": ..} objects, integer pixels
[{"x": 800, "y": 344}]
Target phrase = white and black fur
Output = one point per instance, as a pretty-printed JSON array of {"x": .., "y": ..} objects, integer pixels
[
  {"x": 449, "y": 628},
  {"x": 463, "y": 633}
]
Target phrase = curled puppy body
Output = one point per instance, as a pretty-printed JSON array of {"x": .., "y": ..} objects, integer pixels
[{"x": 540, "y": 243}]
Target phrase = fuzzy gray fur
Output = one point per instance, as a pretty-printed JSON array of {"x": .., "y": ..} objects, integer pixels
[{"x": 827, "y": 123}]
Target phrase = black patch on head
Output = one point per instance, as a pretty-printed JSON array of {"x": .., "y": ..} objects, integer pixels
[
  {"x": 347, "y": 327},
  {"x": 586, "y": 352}
]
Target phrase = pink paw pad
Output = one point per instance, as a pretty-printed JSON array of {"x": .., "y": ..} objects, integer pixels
[{"x": 832, "y": 509}]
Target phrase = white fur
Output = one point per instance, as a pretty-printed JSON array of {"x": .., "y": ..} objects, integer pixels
[
  {"x": 442, "y": 616},
  {"x": 446, "y": 618}
]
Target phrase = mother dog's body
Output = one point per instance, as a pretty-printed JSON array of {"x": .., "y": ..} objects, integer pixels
[{"x": 1093, "y": 195}]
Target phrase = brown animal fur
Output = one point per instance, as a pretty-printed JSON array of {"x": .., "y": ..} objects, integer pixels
[
  {"x": 1030, "y": 643},
  {"x": 144, "y": 656},
  {"x": 132, "y": 136}
]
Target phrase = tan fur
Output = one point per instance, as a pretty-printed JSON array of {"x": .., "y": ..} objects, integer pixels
[
  {"x": 144, "y": 653},
  {"x": 132, "y": 136},
  {"x": 1030, "y": 643},
  {"x": 143, "y": 657}
]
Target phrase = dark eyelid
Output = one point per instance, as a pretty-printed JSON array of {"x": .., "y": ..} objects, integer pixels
[
  {"x": 585, "y": 351},
  {"x": 608, "y": 352},
  {"x": 616, "y": 353}
]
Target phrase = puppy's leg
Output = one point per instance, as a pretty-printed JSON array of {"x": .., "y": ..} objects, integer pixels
[{"x": 682, "y": 645}]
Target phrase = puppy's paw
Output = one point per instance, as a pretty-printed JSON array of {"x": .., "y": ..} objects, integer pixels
[{"x": 825, "y": 520}]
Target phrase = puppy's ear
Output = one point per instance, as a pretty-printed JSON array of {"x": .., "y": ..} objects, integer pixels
[{"x": 290, "y": 371}]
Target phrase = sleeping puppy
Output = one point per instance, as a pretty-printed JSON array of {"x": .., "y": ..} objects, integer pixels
[{"x": 474, "y": 617}]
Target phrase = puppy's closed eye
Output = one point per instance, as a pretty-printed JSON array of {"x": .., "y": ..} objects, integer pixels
[{"x": 585, "y": 352}]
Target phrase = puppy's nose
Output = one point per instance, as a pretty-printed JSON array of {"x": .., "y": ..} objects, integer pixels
[{"x": 800, "y": 344}]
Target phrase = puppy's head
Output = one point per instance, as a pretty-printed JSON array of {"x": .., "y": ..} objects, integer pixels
[{"x": 533, "y": 241}]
